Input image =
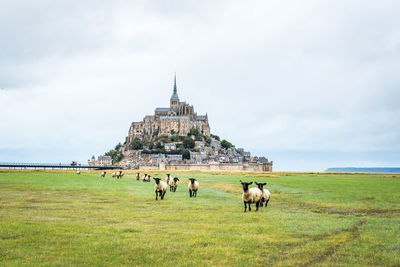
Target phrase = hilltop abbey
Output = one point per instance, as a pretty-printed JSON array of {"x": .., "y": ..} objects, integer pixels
[
  {"x": 176, "y": 138},
  {"x": 178, "y": 119}
]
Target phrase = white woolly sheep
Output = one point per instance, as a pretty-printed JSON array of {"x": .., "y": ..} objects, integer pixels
[
  {"x": 252, "y": 195},
  {"x": 121, "y": 174},
  {"x": 160, "y": 188},
  {"x": 78, "y": 172},
  {"x": 113, "y": 175},
  {"x": 266, "y": 195},
  {"x": 146, "y": 178},
  {"x": 138, "y": 176},
  {"x": 103, "y": 174},
  {"x": 173, "y": 184},
  {"x": 193, "y": 187},
  {"x": 168, "y": 178}
]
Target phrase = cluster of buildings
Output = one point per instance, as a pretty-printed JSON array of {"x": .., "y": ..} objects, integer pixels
[{"x": 204, "y": 154}]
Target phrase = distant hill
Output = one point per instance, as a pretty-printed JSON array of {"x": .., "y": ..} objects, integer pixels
[{"x": 373, "y": 170}]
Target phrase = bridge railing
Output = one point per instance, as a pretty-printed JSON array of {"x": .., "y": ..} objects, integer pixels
[{"x": 55, "y": 165}]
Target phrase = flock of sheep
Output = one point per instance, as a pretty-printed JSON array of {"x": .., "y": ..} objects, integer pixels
[
  {"x": 257, "y": 195},
  {"x": 161, "y": 187}
]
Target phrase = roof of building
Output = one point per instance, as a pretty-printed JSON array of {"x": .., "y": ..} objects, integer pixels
[
  {"x": 174, "y": 117},
  {"x": 162, "y": 109},
  {"x": 202, "y": 117}
]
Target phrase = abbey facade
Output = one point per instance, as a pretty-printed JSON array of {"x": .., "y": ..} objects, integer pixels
[{"x": 177, "y": 119}]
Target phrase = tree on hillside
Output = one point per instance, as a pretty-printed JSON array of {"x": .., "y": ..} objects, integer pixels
[
  {"x": 194, "y": 131},
  {"x": 186, "y": 154},
  {"x": 225, "y": 144},
  {"x": 188, "y": 143},
  {"x": 118, "y": 146},
  {"x": 216, "y": 137},
  {"x": 159, "y": 145},
  {"x": 136, "y": 144}
]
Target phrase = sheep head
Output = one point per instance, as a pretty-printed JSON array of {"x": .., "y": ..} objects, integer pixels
[
  {"x": 260, "y": 185},
  {"x": 245, "y": 185}
]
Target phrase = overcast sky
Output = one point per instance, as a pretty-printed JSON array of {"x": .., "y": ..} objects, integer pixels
[{"x": 308, "y": 84}]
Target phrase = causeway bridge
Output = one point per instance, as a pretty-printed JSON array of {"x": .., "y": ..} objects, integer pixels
[{"x": 53, "y": 166}]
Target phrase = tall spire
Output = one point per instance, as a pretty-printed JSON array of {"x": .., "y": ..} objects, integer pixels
[
  {"x": 175, "y": 83},
  {"x": 175, "y": 94}
]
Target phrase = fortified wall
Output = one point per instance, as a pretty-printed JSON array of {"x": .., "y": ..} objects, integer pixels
[{"x": 257, "y": 167}]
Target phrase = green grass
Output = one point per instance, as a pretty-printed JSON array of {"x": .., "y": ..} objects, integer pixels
[{"x": 56, "y": 218}]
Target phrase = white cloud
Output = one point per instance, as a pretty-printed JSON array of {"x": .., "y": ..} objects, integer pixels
[{"x": 272, "y": 75}]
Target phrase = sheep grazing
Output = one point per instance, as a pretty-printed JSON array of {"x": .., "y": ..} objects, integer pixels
[
  {"x": 78, "y": 172},
  {"x": 103, "y": 174},
  {"x": 266, "y": 195},
  {"x": 173, "y": 184},
  {"x": 138, "y": 176},
  {"x": 252, "y": 195},
  {"x": 147, "y": 178},
  {"x": 121, "y": 174},
  {"x": 113, "y": 175},
  {"x": 193, "y": 187},
  {"x": 168, "y": 178},
  {"x": 160, "y": 188}
]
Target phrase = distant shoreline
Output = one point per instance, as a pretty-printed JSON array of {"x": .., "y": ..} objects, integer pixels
[{"x": 371, "y": 170}]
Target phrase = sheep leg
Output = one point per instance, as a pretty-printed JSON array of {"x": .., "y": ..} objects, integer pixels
[
  {"x": 156, "y": 195},
  {"x": 190, "y": 193},
  {"x": 257, "y": 204},
  {"x": 195, "y": 193},
  {"x": 162, "y": 195},
  {"x": 266, "y": 203}
]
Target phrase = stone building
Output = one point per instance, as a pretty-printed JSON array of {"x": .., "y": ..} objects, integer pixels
[
  {"x": 177, "y": 119},
  {"x": 101, "y": 161}
]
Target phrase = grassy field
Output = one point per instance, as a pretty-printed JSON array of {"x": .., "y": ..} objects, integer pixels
[{"x": 60, "y": 218}]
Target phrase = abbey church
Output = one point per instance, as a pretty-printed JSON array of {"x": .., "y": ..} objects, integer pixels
[
  {"x": 176, "y": 138},
  {"x": 177, "y": 119}
]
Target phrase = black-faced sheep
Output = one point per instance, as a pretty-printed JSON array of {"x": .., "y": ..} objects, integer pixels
[
  {"x": 144, "y": 177},
  {"x": 193, "y": 187},
  {"x": 103, "y": 174},
  {"x": 252, "y": 195},
  {"x": 173, "y": 184},
  {"x": 266, "y": 195},
  {"x": 113, "y": 174},
  {"x": 168, "y": 178},
  {"x": 138, "y": 176},
  {"x": 78, "y": 172},
  {"x": 147, "y": 179},
  {"x": 160, "y": 188}
]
